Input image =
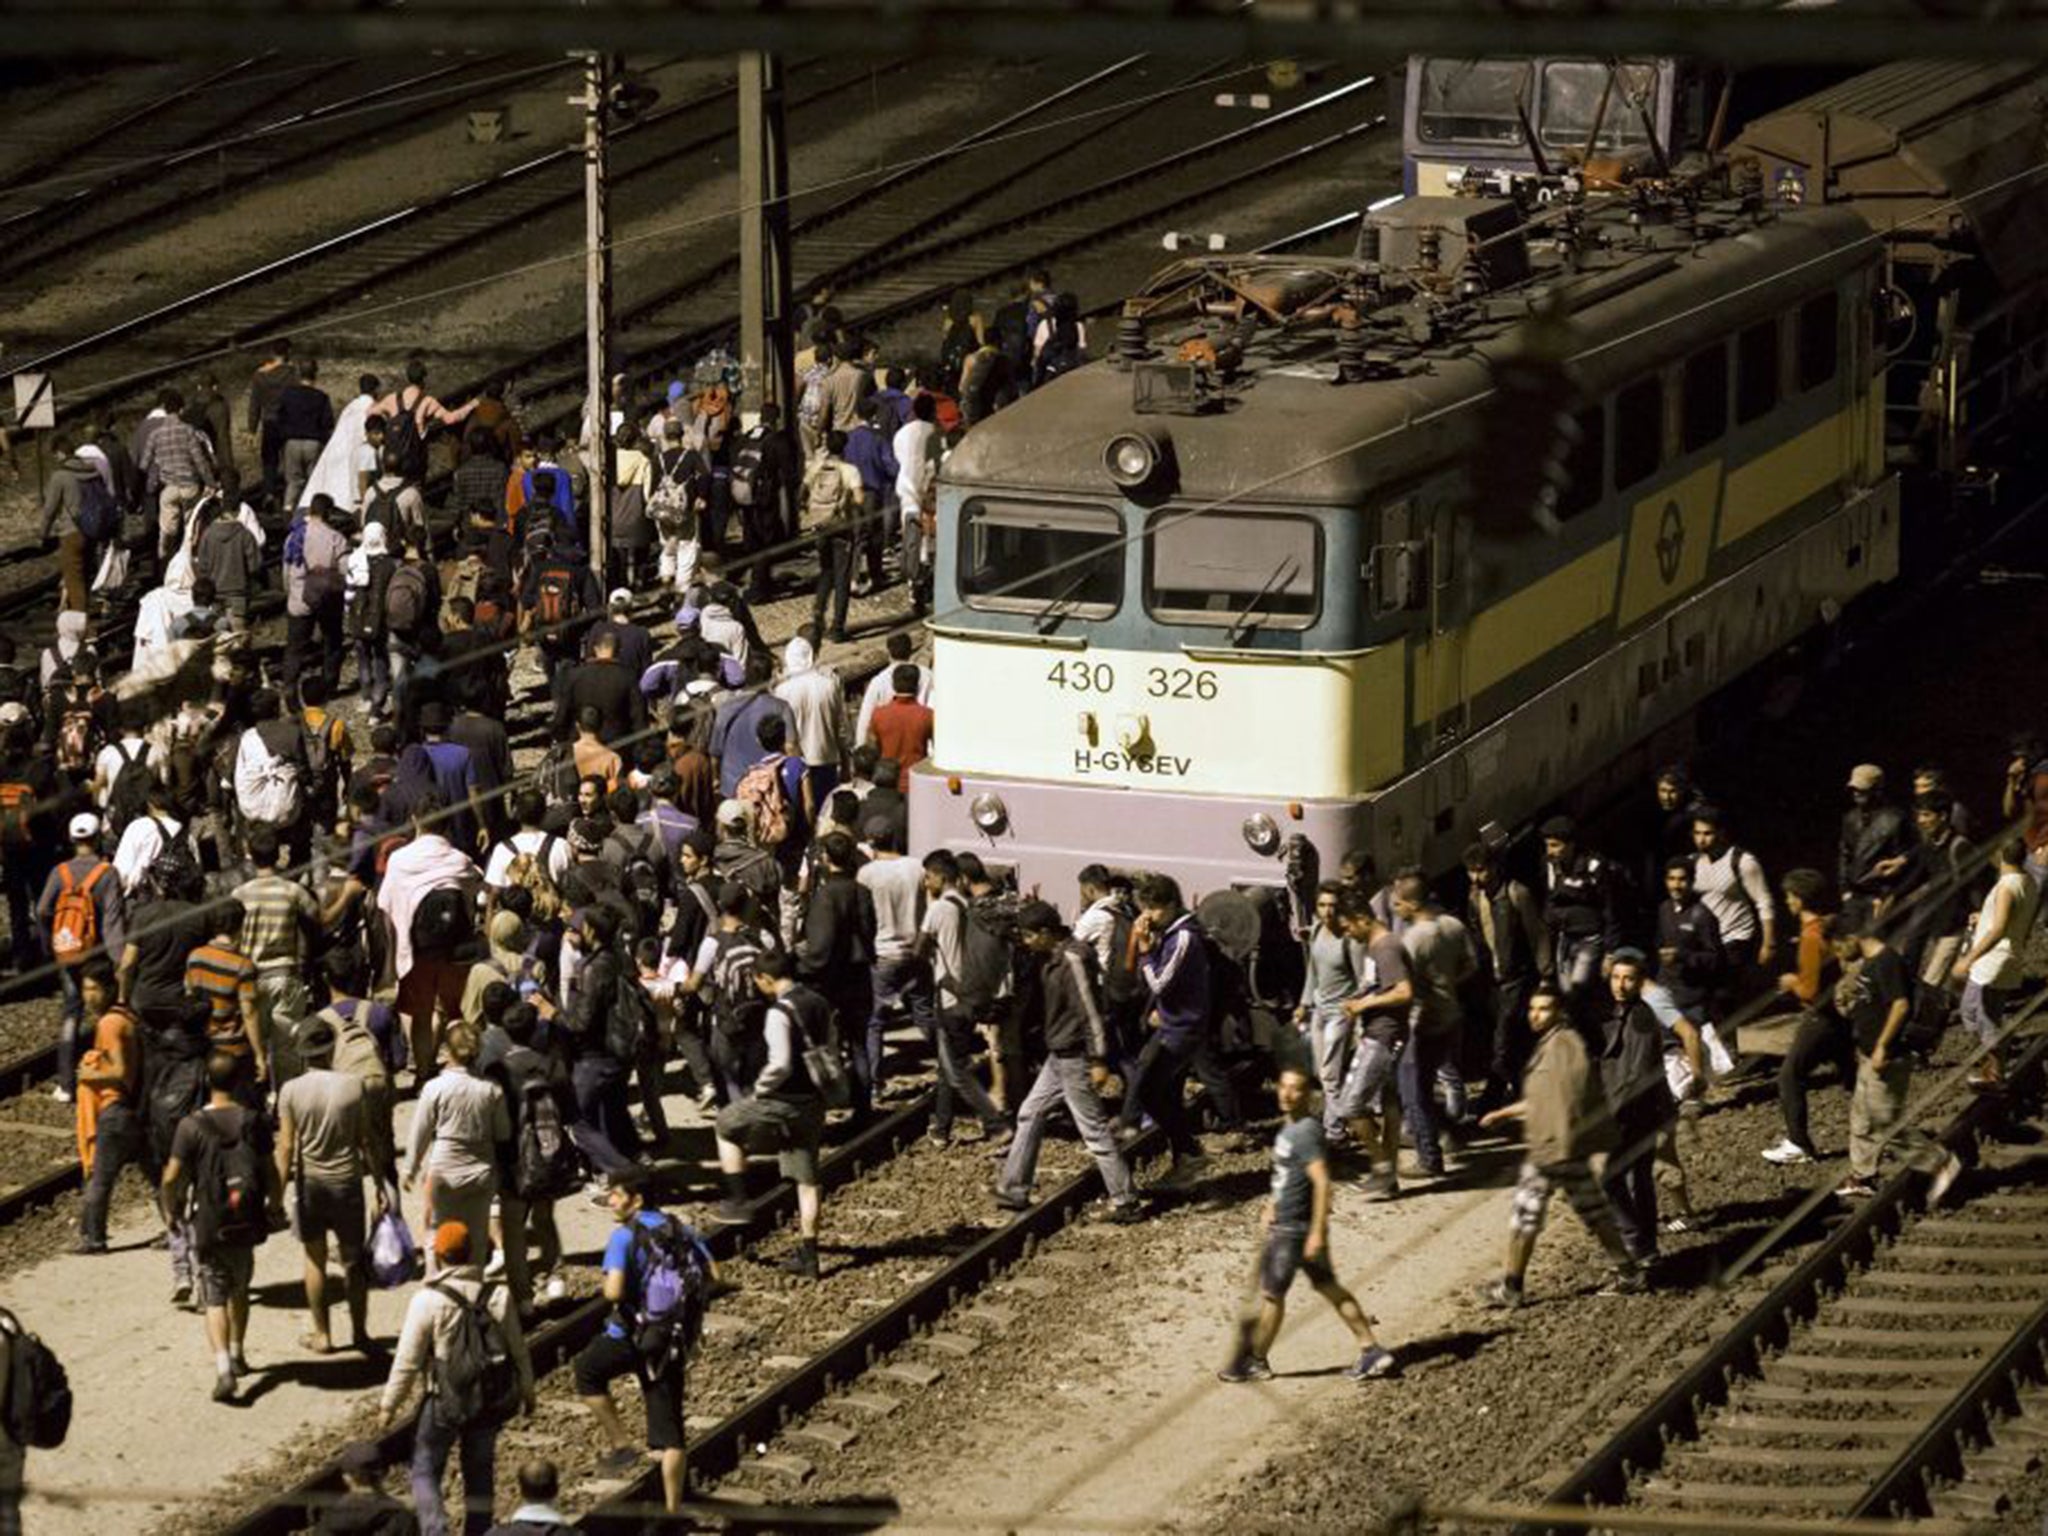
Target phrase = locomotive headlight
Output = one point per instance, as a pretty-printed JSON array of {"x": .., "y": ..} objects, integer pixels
[
  {"x": 988, "y": 812},
  {"x": 1261, "y": 833},
  {"x": 1137, "y": 460}
]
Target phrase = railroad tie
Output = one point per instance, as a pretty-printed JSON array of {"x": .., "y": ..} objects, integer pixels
[{"x": 1853, "y": 1461}]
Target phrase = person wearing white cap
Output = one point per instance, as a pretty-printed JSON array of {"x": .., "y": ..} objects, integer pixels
[
  {"x": 1877, "y": 839},
  {"x": 81, "y": 915}
]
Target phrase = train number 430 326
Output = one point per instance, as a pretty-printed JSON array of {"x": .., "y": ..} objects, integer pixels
[{"x": 1160, "y": 682}]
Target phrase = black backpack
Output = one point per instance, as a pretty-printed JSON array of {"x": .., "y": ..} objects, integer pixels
[
  {"x": 630, "y": 1021},
  {"x": 443, "y": 921},
  {"x": 548, "y": 1164},
  {"x": 38, "y": 1392},
  {"x": 641, "y": 876},
  {"x": 128, "y": 795},
  {"x": 402, "y": 440},
  {"x": 175, "y": 870},
  {"x": 228, "y": 1207},
  {"x": 99, "y": 515},
  {"x": 476, "y": 1380},
  {"x": 985, "y": 959}
]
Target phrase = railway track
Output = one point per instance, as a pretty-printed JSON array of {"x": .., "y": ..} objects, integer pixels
[
  {"x": 1904, "y": 1355},
  {"x": 23, "y": 1076},
  {"x": 82, "y": 207}
]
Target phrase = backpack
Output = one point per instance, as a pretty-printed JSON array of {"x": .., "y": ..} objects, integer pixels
[
  {"x": 442, "y": 922},
  {"x": 227, "y": 1188},
  {"x": 381, "y": 506},
  {"x": 99, "y": 516},
  {"x": 266, "y": 785},
  {"x": 37, "y": 1389},
  {"x": 732, "y": 974},
  {"x": 321, "y": 764},
  {"x": 819, "y": 1050},
  {"x": 366, "y": 617},
  {"x": 670, "y": 504},
  {"x": 17, "y": 806},
  {"x": 548, "y": 1164},
  {"x": 75, "y": 923},
  {"x": 1230, "y": 996},
  {"x": 1121, "y": 984},
  {"x": 403, "y": 441},
  {"x": 985, "y": 959},
  {"x": 356, "y": 1051},
  {"x": 555, "y": 595},
  {"x": 674, "y": 1290},
  {"x": 824, "y": 492},
  {"x": 475, "y": 1381},
  {"x": 128, "y": 795},
  {"x": 641, "y": 876},
  {"x": 630, "y": 1021},
  {"x": 810, "y": 404},
  {"x": 747, "y": 465},
  {"x": 175, "y": 868},
  {"x": 406, "y": 600},
  {"x": 76, "y": 731},
  {"x": 761, "y": 789}
]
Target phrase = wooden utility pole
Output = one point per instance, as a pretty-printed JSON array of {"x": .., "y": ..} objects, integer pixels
[{"x": 767, "y": 345}]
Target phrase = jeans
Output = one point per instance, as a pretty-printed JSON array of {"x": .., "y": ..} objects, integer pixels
[
  {"x": 1983, "y": 1010},
  {"x": 604, "y": 1117},
  {"x": 432, "y": 1444},
  {"x": 835, "y": 582},
  {"x": 117, "y": 1142},
  {"x": 69, "y": 1029},
  {"x": 22, "y": 872},
  {"x": 1415, "y": 1079},
  {"x": 952, "y": 1037},
  {"x": 1578, "y": 968},
  {"x": 1065, "y": 1078},
  {"x": 1510, "y": 1038},
  {"x": 898, "y": 981},
  {"x": 1159, "y": 1088},
  {"x": 1630, "y": 1182},
  {"x": 299, "y": 456},
  {"x": 312, "y": 642},
  {"x": 1818, "y": 1039},
  {"x": 648, "y": 1067},
  {"x": 373, "y": 673},
  {"x": 853, "y": 1008}
]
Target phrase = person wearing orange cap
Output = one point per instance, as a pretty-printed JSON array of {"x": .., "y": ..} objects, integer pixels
[{"x": 453, "y": 1315}]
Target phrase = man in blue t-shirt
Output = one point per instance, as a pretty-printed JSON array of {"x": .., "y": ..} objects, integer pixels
[
  {"x": 1296, "y": 1218},
  {"x": 615, "y": 1352}
]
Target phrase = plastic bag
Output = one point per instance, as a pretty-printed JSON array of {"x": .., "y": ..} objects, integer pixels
[
  {"x": 394, "y": 1256},
  {"x": 113, "y": 572}
]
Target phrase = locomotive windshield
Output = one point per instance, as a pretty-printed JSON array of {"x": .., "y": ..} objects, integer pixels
[
  {"x": 1233, "y": 570},
  {"x": 1570, "y": 103},
  {"x": 1023, "y": 557},
  {"x": 1470, "y": 101}
]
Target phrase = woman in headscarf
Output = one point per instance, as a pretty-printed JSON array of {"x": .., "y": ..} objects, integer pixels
[{"x": 814, "y": 696}]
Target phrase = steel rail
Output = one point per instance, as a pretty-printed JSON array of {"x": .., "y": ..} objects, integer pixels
[
  {"x": 26, "y": 1070},
  {"x": 556, "y": 1342},
  {"x": 722, "y": 1449},
  {"x": 1675, "y": 1414},
  {"x": 29, "y": 249}
]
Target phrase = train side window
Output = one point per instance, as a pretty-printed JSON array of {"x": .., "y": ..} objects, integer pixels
[
  {"x": 1820, "y": 341},
  {"x": 1638, "y": 431},
  {"x": 1586, "y": 464},
  {"x": 1706, "y": 398},
  {"x": 1756, "y": 372}
]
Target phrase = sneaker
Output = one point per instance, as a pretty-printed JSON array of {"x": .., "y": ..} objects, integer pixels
[
  {"x": 998, "y": 1138},
  {"x": 1625, "y": 1282},
  {"x": 1011, "y": 1200},
  {"x": 181, "y": 1293},
  {"x": 730, "y": 1213},
  {"x": 239, "y": 1364},
  {"x": 803, "y": 1263},
  {"x": 1382, "y": 1186},
  {"x": 1372, "y": 1364},
  {"x": 1786, "y": 1153},
  {"x": 1501, "y": 1296},
  {"x": 224, "y": 1389},
  {"x": 1855, "y": 1189},
  {"x": 496, "y": 1268},
  {"x": 61, "y": 1094},
  {"x": 1185, "y": 1171},
  {"x": 619, "y": 1459},
  {"x": 555, "y": 1289},
  {"x": 1129, "y": 1214},
  {"x": 1247, "y": 1368},
  {"x": 87, "y": 1245},
  {"x": 707, "y": 1100},
  {"x": 1943, "y": 1179},
  {"x": 940, "y": 1140},
  {"x": 1678, "y": 1224}
]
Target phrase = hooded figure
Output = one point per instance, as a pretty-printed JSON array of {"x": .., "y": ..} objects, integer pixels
[{"x": 71, "y": 628}]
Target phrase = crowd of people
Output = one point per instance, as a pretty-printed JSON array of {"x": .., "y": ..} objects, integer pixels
[{"x": 271, "y": 925}]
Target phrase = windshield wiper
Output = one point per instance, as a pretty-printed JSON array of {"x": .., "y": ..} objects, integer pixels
[
  {"x": 1058, "y": 610},
  {"x": 1243, "y": 626}
]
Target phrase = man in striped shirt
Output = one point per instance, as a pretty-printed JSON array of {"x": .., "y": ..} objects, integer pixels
[
  {"x": 225, "y": 978},
  {"x": 278, "y": 914}
]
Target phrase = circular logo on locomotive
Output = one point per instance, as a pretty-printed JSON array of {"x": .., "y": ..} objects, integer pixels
[{"x": 1670, "y": 542}]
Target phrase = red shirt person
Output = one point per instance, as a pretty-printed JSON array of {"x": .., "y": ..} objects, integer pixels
[{"x": 902, "y": 728}]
